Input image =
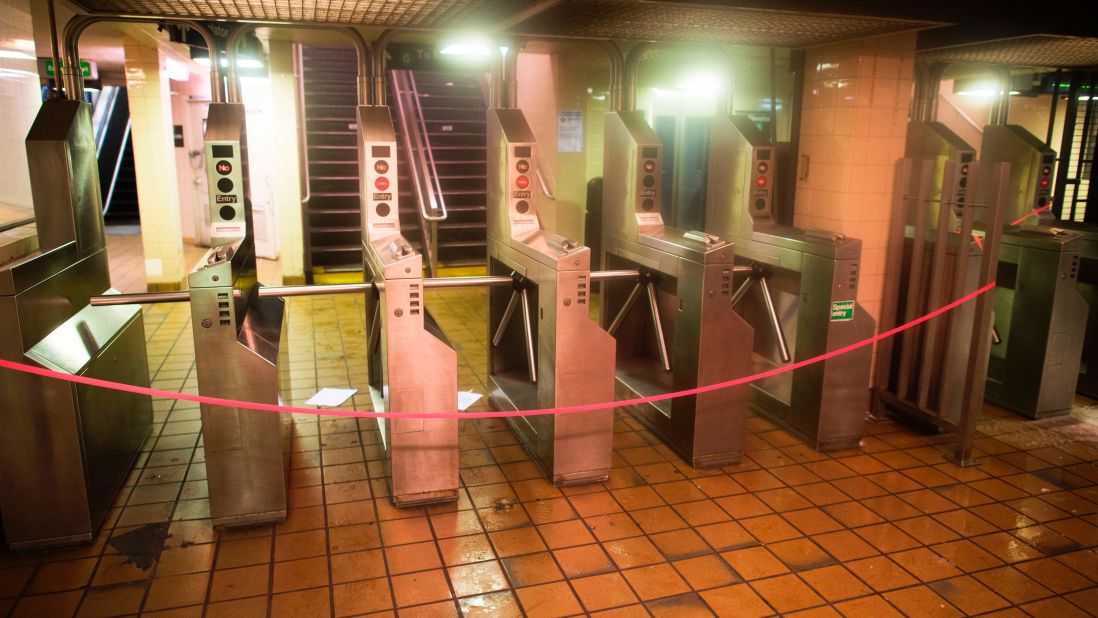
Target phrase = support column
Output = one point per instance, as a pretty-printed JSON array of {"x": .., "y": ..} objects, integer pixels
[
  {"x": 853, "y": 130},
  {"x": 285, "y": 164},
  {"x": 154, "y": 160},
  {"x": 21, "y": 96}
]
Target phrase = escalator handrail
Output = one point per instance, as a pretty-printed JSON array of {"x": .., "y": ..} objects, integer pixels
[
  {"x": 117, "y": 167},
  {"x": 438, "y": 203},
  {"x": 416, "y": 172}
]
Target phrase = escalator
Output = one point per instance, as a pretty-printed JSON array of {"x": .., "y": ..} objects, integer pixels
[
  {"x": 444, "y": 123},
  {"x": 114, "y": 153}
]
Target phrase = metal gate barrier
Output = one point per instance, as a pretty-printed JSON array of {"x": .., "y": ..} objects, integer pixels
[
  {"x": 935, "y": 373},
  {"x": 545, "y": 349},
  {"x": 684, "y": 333},
  {"x": 65, "y": 449},
  {"x": 412, "y": 366},
  {"x": 806, "y": 303},
  {"x": 1040, "y": 316}
]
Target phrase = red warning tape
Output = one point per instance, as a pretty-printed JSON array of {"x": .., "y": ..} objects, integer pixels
[{"x": 267, "y": 407}]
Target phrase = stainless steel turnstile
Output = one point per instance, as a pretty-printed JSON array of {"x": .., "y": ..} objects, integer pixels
[
  {"x": 1087, "y": 284},
  {"x": 412, "y": 366},
  {"x": 684, "y": 334},
  {"x": 545, "y": 350},
  {"x": 238, "y": 338},
  {"x": 806, "y": 302},
  {"x": 1040, "y": 315},
  {"x": 65, "y": 450}
]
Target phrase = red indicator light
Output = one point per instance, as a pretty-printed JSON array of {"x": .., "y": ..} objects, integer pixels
[
  {"x": 649, "y": 166},
  {"x": 964, "y": 169},
  {"x": 760, "y": 181},
  {"x": 522, "y": 182},
  {"x": 382, "y": 183},
  {"x": 1044, "y": 183},
  {"x": 762, "y": 167},
  {"x": 1046, "y": 170}
]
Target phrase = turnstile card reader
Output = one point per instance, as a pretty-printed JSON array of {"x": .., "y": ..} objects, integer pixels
[
  {"x": 806, "y": 303},
  {"x": 688, "y": 335},
  {"x": 1040, "y": 314},
  {"x": 228, "y": 183},
  {"x": 65, "y": 449},
  {"x": 239, "y": 352},
  {"x": 412, "y": 366},
  {"x": 552, "y": 354}
]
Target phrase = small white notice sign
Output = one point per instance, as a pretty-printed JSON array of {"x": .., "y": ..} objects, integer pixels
[
  {"x": 331, "y": 397},
  {"x": 569, "y": 131}
]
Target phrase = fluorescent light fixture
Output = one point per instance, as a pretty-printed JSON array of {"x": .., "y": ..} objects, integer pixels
[
  {"x": 12, "y": 54},
  {"x": 700, "y": 83},
  {"x": 466, "y": 49},
  {"x": 16, "y": 74}
]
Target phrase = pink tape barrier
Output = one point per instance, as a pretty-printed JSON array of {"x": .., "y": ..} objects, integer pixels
[{"x": 267, "y": 407}]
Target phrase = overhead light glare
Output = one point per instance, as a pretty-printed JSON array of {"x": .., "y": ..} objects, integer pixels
[
  {"x": 476, "y": 50},
  {"x": 12, "y": 54}
]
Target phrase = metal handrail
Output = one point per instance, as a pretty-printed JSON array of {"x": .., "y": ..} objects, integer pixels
[
  {"x": 545, "y": 190},
  {"x": 302, "y": 128},
  {"x": 417, "y": 172},
  {"x": 435, "y": 187},
  {"x": 117, "y": 166},
  {"x": 960, "y": 112},
  {"x": 109, "y": 99}
]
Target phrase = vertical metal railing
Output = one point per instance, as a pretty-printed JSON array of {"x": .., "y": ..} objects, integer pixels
[
  {"x": 426, "y": 187},
  {"x": 303, "y": 158},
  {"x": 117, "y": 166},
  {"x": 935, "y": 373}
]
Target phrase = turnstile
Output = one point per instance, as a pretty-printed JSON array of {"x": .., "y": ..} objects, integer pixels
[
  {"x": 685, "y": 334},
  {"x": 412, "y": 367},
  {"x": 1040, "y": 317},
  {"x": 1087, "y": 284},
  {"x": 238, "y": 340},
  {"x": 65, "y": 449},
  {"x": 806, "y": 305},
  {"x": 545, "y": 350}
]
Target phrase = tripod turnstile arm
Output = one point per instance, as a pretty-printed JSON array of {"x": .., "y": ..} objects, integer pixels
[
  {"x": 505, "y": 321},
  {"x": 775, "y": 321},
  {"x": 528, "y": 329},
  {"x": 657, "y": 324},
  {"x": 625, "y": 308}
]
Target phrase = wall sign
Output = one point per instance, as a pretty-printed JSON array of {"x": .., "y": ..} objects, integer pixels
[{"x": 569, "y": 131}]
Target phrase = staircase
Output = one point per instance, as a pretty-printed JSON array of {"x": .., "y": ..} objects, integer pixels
[
  {"x": 117, "y": 176},
  {"x": 454, "y": 115}
]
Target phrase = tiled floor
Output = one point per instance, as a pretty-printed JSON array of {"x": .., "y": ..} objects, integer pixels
[
  {"x": 885, "y": 530},
  {"x": 127, "y": 260}
]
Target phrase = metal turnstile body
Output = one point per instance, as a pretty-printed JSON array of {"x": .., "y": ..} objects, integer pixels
[
  {"x": 238, "y": 344},
  {"x": 412, "y": 366},
  {"x": 689, "y": 336},
  {"x": 65, "y": 449},
  {"x": 551, "y": 354},
  {"x": 807, "y": 303},
  {"x": 1087, "y": 284},
  {"x": 1041, "y": 317}
]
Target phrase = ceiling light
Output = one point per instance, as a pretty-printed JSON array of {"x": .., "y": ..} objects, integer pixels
[
  {"x": 465, "y": 49},
  {"x": 15, "y": 55}
]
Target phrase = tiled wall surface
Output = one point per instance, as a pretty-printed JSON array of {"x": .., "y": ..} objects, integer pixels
[
  {"x": 154, "y": 157},
  {"x": 853, "y": 128},
  {"x": 19, "y": 100},
  {"x": 286, "y": 195}
]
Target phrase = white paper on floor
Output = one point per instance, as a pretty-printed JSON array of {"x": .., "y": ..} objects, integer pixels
[
  {"x": 466, "y": 399},
  {"x": 331, "y": 397}
]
